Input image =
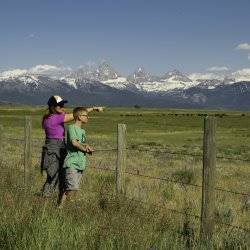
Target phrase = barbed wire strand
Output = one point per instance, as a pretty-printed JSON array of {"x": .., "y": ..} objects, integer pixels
[
  {"x": 163, "y": 207},
  {"x": 185, "y": 184},
  {"x": 105, "y": 169},
  {"x": 175, "y": 211},
  {"x": 184, "y": 154},
  {"x": 146, "y": 150},
  {"x": 166, "y": 179}
]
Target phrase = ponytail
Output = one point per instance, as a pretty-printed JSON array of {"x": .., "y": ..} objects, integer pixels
[{"x": 49, "y": 111}]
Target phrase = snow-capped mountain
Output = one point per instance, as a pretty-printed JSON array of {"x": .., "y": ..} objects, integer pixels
[
  {"x": 139, "y": 76},
  {"x": 168, "y": 82},
  {"x": 139, "y": 80},
  {"x": 176, "y": 76},
  {"x": 103, "y": 73},
  {"x": 102, "y": 84}
]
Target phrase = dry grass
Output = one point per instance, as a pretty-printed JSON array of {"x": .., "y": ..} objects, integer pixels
[{"x": 100, "y": 219}]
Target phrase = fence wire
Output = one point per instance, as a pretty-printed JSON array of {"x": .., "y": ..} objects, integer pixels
[
  {"x": 247, "y": 230},
  {"x": 185, "y": 154},
  {"x": 144, "y": 150},
  {"x": 184, "y": 184},
  {"x": 159, "y": 178},
  {"x": 137, "y": 174}
]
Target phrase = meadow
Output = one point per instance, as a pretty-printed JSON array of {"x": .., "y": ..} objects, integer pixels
[{"x": 163, "y": 143}]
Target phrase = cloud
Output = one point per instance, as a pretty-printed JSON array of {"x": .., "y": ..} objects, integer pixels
[
  {"x": 49, "y": 70},
  {"x": 31, "y": 35},
  {"x": 248, "y": 57},
  {"x": 239, "y": 75},
  {"x": 242, "y": 75},
  {"x": 205, "y": 76},
  {"x": 218, "y": 68},
  {"x": 43, "y": 69},
  {"x": 243, "y": 46}
]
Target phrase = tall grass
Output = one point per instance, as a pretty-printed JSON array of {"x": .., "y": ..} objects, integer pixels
[{"x": 101, "y": 220}]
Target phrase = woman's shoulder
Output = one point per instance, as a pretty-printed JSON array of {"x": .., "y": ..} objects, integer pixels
[
  {"x": 46, "y": 116},
  {"x": 56, "y": 116}
]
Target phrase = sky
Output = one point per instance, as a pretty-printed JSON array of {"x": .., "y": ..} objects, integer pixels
[{"x": 160, "y": 35}]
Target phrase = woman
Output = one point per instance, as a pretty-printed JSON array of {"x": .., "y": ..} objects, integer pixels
[{"x": 54, "y": 151}]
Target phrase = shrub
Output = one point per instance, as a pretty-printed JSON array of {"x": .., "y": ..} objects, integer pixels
[
  {"x": 186, "y": 176},
  {"x": 224, "y": 213}
]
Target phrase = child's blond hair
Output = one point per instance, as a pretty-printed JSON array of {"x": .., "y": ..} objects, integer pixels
[{"x": 77, "y": 111}]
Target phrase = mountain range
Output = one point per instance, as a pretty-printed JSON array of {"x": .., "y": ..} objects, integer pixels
[{"x": 103, "y": 85}]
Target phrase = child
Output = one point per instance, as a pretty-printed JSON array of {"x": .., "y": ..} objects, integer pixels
[{"x": 75, "y": 161}]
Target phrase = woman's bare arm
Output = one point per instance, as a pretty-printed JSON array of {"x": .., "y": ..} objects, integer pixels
[
  {"x": 98, "y": 109},
  {"x": 68, "y": 117}
]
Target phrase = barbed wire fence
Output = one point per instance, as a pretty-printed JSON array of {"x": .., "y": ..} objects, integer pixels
[{"x": 208, "y": 188}]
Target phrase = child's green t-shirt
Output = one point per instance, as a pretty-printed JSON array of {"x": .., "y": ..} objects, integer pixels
[{"x": 75, "y": 158}]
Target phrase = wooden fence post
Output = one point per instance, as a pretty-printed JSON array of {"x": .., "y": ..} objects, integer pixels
[
  {"x": 208, "y": 180},
  {"x": 27, "y": 148},
  {"x": 1, "y": 134},
  {"x": 121, "y": 158}
]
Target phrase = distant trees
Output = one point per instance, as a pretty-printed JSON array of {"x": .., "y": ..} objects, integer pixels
[{"x": 137, "y": 106}]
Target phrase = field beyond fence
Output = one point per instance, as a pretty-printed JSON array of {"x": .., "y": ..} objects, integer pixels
[{"x": 190, "y": 170}]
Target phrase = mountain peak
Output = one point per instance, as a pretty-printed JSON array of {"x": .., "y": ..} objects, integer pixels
[
  {"x": 174, "y": 72},
  {"x": 101, "y": 72},
  {"x": 106, "y": 71},
  {"x": 176, "y": 75},
  {"x": 139, "y": 75}
]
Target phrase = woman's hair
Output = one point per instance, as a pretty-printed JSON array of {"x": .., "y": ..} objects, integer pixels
[{"x": 49, "y": 111}]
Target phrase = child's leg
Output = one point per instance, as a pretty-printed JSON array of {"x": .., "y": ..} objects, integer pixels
[
  {"x": 71, "y": 185},
  {"x": 68, "y": 196},
  {"x": 62, "y": 199},
  {"x": 71, "y": 195}
]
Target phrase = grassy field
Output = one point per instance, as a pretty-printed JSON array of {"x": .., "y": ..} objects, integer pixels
[{"x": 101, "y": 220}]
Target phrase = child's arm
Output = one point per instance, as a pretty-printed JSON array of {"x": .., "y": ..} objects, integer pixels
[{"x": 82, "y": 147}]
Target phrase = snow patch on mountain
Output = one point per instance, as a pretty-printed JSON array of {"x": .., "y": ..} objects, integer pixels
[
  {"x": 159, "y": 86},
  {"x": 45, "y": 70},
  {"x": 119, "y": 82},
  {"x": 70, "y": 81},
  {"x": 29, "y": 79},
  {"x": 12, "y": 74},
  {"x": 162, "y": 86},
  {"x": 172, "y": 80}
]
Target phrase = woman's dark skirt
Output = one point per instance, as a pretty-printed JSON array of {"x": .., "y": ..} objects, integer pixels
[{"x": 53, "y": 155}]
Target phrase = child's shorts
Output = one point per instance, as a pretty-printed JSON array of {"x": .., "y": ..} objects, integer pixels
[{"x": 72, "y": 178}]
